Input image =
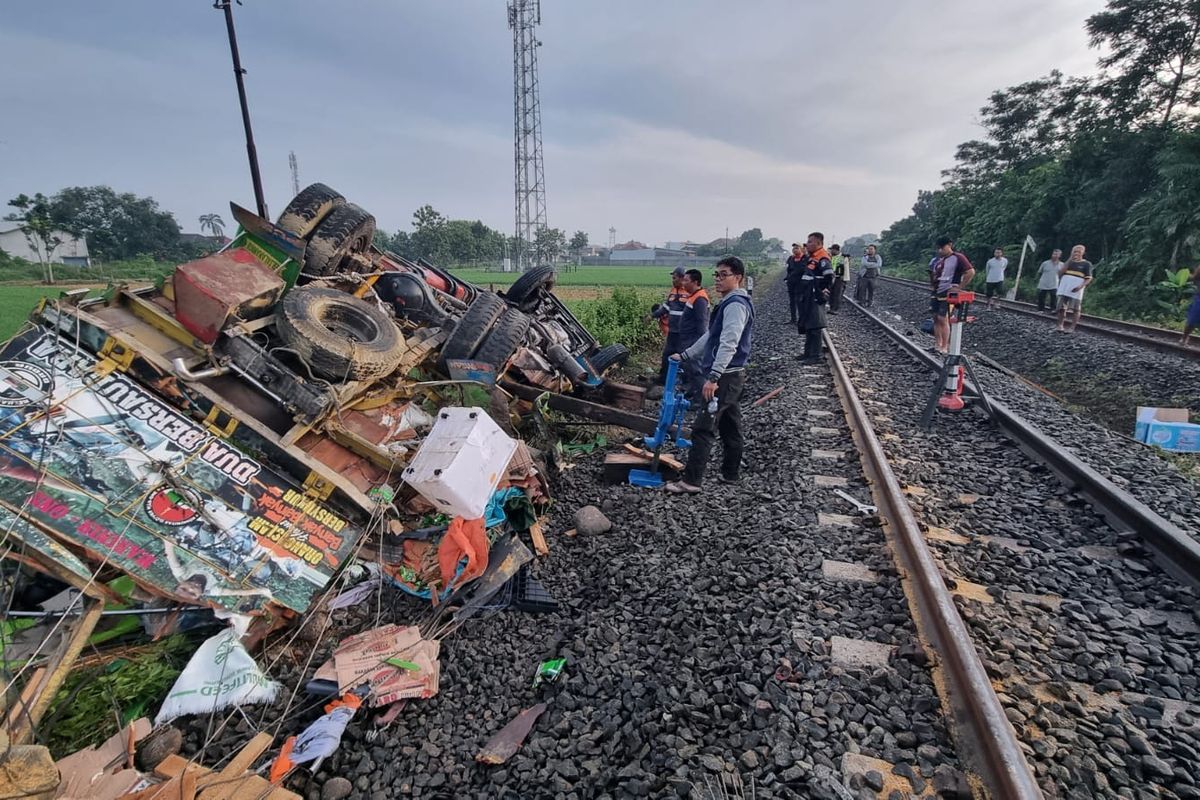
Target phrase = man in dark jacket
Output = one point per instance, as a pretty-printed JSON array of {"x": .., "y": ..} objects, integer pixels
[
  {"x": 668, "y": 315},
  {"x": 795, "y": 266},
  {"x": 722, "y": 354},
  {"x": 692, "y": 325},
  {"x": 816, "y": 280}
]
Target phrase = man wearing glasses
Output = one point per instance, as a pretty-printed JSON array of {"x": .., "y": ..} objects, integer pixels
[{"x": 722, "y": 354}]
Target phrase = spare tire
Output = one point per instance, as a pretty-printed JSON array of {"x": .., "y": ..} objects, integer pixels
[
  {"x": 525, "y": 291},
  {"x": 340, "y": 336},
  {"x": 347, "y": 229},
  {"x": 308, "y": 208},
  {"x": 507, "y": 335},
  {"x": 608, "y": 357},
  {"x": 473, "y": 327}
]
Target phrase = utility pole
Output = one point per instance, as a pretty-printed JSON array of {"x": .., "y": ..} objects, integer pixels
[
  {"x": 238, "y": 72},
  {"x": 612, "y": 238},
  {"x": 530, "y": 181},
  {"x": 295, "y": 167}
]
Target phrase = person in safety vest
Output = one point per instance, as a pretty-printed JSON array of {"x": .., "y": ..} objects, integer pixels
[
  {"x": 692, "y": 325},
  {"x": 668, "y": 314},
  {"x": 816, "y": 280}
]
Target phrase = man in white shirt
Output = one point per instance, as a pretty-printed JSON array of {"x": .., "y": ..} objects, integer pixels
[
  {"x": 995, "y": 276},
  {"x": 1048, "y": 281}
]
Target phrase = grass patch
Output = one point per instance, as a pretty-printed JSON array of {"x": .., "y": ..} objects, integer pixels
[{"x": 17, "y": 302}]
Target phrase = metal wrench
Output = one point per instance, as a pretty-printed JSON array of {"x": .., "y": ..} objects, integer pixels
[{"x": 863, "y": 508}]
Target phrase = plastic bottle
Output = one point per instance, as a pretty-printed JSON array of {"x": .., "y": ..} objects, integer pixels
[{"x": 712, "y": 405}]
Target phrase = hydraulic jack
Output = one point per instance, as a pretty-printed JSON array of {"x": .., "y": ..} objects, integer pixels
[
  {"x": 948, "y": 394},
  {"x": 674, "y": 408}
]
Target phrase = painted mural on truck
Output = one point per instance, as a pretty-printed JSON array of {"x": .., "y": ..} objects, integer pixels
[{"x": 94, "y": 459}]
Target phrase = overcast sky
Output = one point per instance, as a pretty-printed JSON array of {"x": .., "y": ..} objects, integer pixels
[{"x": 669, "y": 119}]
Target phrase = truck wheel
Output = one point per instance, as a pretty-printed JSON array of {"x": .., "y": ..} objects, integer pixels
[
  {"x": 347, "y": 229},
  {"x": 473, "y": 327},
  {"x": 612, "y": 356},
  {"x": 340, "y": 336},
  {"x": 308, "y": 208},
  {"x": 526, "y": 290},
  {"x": 504, "y": 339}
]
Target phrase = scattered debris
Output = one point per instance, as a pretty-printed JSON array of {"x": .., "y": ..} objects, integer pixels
[
  {"x": 220, "y": 674},
  {"x": 771, "y": 395},
  {"x": 508, "y": 740}
]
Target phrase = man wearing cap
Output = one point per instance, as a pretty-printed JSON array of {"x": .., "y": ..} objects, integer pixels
[{"x": 669, "y": 314}]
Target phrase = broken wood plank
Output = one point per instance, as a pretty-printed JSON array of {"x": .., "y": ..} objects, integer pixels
[
  {"x": 663, "y": 458},
  {"x": 539, "y": 539}
]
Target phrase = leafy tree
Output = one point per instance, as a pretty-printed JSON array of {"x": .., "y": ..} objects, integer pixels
[
  {"x": 749, "y": 244},
  {"x": 429, "y": 233},
  {"x": 214, "y": 224},
  {"x": 1152, "y": 61},
  {"x": 381, "y": 240},
  {"x": 1167, "y": 218},
  {"x": 579, "y": 242},
  {"x": 548, "y": 245},
  {"x": 37, "y": 223},
  {"x": 117, "y": 226}
]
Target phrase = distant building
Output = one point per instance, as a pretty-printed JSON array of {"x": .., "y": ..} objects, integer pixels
[
  {"x": 71, "y": 250},
  {"x": 213, "y": 242},
  {"x": 653, "y": 255}
]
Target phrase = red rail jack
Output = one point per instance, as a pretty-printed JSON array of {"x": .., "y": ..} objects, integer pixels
[{"x": 948, "y": 394}]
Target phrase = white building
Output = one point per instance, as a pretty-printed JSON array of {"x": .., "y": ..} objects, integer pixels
[{"x": 71, "y": 250}]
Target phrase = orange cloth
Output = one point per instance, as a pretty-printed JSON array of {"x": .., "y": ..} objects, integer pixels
[{"x": 464, "y": 537}]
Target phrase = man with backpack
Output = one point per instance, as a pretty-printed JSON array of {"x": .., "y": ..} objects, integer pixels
[{"x": 949, "y": 270}]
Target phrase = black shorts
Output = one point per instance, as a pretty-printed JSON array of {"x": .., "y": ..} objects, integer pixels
[
  {"x": 993, "y": 288},
  {"x": 939, "y": 306}
]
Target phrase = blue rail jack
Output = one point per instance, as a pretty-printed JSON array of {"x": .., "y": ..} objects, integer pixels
[{"x": 674, "y": 408}]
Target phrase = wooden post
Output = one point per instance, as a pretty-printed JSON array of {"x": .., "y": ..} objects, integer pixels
[{"x": 24, "y": 720}]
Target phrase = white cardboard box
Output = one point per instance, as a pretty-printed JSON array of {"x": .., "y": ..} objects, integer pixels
[{"x": 459, "y": 464}]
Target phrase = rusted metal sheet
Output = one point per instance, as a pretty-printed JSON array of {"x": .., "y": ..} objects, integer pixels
[{"x": 209, "y": 289}]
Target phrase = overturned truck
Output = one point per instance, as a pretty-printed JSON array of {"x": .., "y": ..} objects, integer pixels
[{"x": 228, "y": 436}]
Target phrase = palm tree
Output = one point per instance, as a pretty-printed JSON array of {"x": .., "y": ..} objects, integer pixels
[{"x": 214, "y": 223}]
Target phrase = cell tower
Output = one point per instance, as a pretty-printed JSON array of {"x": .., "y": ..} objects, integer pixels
[
  {"x": 523, "y": 17},
  {"x": 295, "y": 167},
  {"x": 612, "y": 238}
]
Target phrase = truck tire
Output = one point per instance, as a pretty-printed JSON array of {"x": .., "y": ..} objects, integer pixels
[
  {"x": 346, "y": 229},
  {"x": 607, "y": 357},
  {"x": 342, "y": 337},
  {"x": 473, "y": 327},
  {"x": 308, "y": 208},
  {"x": 506, "y": 336},
  {"x": 525, "y": 291}
]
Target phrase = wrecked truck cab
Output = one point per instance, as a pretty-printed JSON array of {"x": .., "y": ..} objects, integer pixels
[{"x": 231, "y": 434}]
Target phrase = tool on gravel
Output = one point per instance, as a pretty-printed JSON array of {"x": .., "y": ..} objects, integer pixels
[
  {"x": 670, "y": 418},
  {"x": 865, "y": 509},
  {"x": 948, "y": 394}
]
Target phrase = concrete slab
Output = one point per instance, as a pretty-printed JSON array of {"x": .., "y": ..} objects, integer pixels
[
  {"x": 827, "y": 455},
  {"x": 1098, "y": 552},
  {"x": 819, "y": 431},
  {"x": 829, "y": 480},
  {"x": 858, "y": 653},
  {"x": 847, "y": 572},
  {"x": 819, "y": 398},
  {"x": 881, "y": 418},
  {"x": 972, "y": 591},
  {"x": 859, "y": 764},
  {"x": 819, "y": 412},
  {"x": 836, "y": 520},
  {"x": 945, "y": 535}
]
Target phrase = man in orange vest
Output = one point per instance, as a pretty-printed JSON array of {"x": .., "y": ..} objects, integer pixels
[
  {"x": 693, "y": 323},
  {"x": 668, "y": 315},
  {"x": 815, "y": 285}
]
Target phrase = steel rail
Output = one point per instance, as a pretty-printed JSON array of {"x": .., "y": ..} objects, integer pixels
[
  {"x": 985, "y": 739},
  {"x": 1174, "y": 550},
  {"x": 1159, "y": 339}
]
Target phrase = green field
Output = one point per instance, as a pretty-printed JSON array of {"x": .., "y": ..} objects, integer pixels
[
  {"x": 580, "y": 276},
  {"x": 17, "y": 301}
]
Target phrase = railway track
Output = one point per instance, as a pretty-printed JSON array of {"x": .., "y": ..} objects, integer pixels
[
  {"x": 1151, "y": 337},
  {"x": 1082, "y": 633}
]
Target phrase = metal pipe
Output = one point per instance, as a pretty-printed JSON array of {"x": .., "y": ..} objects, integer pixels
[
  {"x": 259, "y": 202},
  {"x": 984, "y": 735},
  {"x": 115, "y": 612},
  {"x": 181, "y": 369}
]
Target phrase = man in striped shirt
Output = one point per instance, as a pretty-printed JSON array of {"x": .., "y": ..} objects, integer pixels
[{"x": 1074, "y": 276}]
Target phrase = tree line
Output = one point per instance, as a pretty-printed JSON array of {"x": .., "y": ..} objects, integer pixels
[{"x": 1111, "y": 162}]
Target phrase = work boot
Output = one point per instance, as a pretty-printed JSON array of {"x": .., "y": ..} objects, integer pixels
[
  {"x": 681, "y": 487},
  {"x": 731, "y": 481}
]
